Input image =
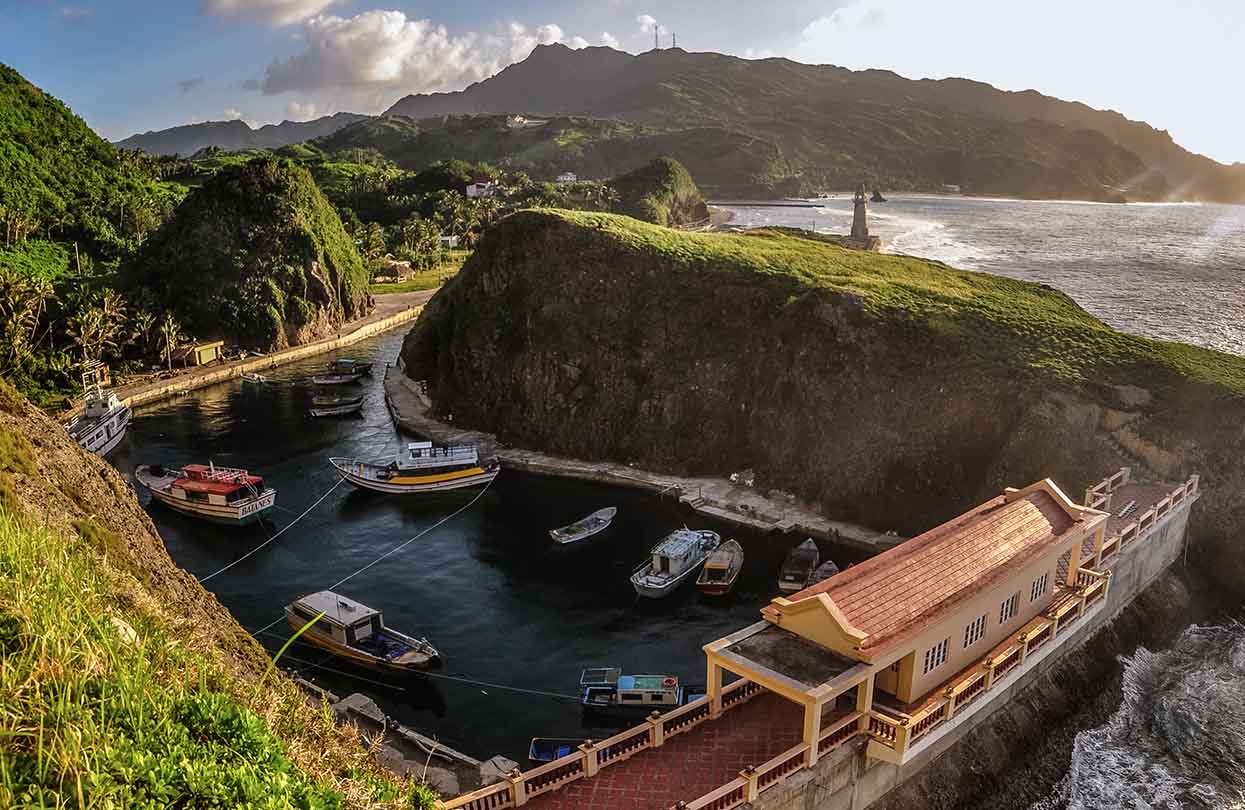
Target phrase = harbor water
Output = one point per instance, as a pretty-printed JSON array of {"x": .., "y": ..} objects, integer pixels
[{"x": 488, "y": 589}]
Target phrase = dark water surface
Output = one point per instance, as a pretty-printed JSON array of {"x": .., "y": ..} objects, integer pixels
[{"x": 486, "y": 588}]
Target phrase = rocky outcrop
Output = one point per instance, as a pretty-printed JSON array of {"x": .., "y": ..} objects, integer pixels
[{"x": 889, "y": 391}]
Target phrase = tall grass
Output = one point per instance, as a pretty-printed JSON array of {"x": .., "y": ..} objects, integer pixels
[{"x": 105, "y": 703}]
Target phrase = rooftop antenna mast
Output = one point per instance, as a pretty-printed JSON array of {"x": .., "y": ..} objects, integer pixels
[
  {"x": 674, "y": 40},
  {"x": 656, "y": 34}
]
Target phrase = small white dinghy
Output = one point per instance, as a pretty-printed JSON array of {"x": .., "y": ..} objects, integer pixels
[
  {"x": 674, "y": 560},
  {"x": 336, "y": 406},
  {"x": 251, "y": 378},
  {"x": 344, "y": 378},
  {"x": 584, "y": 528}
]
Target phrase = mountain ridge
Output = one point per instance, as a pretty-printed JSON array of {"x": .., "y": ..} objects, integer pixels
[{"x": 187, "y": 139}]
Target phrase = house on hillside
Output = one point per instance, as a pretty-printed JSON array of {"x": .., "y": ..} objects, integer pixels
[
  {"x": 568, "y": 177},
  {"x": 481, "y": 186},
  {"x": 516, "y": 121},
  {"x": 448, "y": 241}
]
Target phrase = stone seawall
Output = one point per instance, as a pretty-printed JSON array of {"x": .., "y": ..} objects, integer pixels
[{"x": 974, "y": 746}]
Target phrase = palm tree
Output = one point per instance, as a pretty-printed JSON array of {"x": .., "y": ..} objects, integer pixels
[{"x": 170, "y": 335}]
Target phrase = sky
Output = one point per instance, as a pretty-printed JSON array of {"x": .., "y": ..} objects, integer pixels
[{"x": 128, "y": 66}]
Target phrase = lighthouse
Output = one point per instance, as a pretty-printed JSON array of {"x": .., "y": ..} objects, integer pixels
[{"x": 860, "y": 215}]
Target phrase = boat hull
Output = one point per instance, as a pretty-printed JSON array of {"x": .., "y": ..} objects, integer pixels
[
  {"x": 102, "y": 438},
  {"x": 563, "y": 540},
  {"x": 337, "y": 410},
  {"x": 717, "y": 588},
  {"x": 670, "y": 586},
  {"x": 362, "y": 475},
  {"x": 336, "y": 379}
]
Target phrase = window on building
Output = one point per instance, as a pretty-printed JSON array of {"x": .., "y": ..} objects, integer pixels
[
  {"x": 974, "y": 631},
  {"x": 1039, "y": 588},
  {"x": 936, "y": 656},
  {"x": 1008, "y": 609}
]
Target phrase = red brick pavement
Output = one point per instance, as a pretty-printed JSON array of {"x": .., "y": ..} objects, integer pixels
[{"x": 690, "y": 765}]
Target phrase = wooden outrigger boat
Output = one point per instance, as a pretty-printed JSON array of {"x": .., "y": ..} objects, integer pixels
[
  {"x": 223, "y": 495},
  {"x": 356, "y": 632},
  {"x": 104, "y": 419},
  {"x": 420, "y": 469},
  {"x": 797, "y": 568},
  {"x": 721, "y": 570},
  {"x": 584, "y": 528},
  {"x": 349, "y": 365},
  {"x": 339, "y": 378},
  {"x": 674, "y": 560},
  {"x": 606, "y": 689},
  {"x": 336, "y": 406},
  {"x": 547, "y": 749}
]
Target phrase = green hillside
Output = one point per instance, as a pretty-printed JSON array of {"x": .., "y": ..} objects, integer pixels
[{"x": 663, "y": 192}]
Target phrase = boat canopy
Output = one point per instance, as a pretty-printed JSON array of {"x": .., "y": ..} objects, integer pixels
[
  {"x": 338, "y": 610},
  {"x": 600, "y": 676},
  {"x": 679, "y": 545},
  {"x": 420, "y": 454},
  {"x": 216, "y": 480}
]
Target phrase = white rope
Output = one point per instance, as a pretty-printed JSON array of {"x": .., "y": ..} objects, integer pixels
[
  {"x": 286, "y": 528},
  {"x": 392, "y": 551}
]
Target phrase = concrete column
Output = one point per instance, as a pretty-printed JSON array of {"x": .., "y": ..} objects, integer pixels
[
  {"x": 1074, "y": 565},
  {"x": 518, "y": 787},
  {"x": 714, "y": 688},
  {"x": 812, "y": 730},
  {"x": 753, "y": 791},
  {"x": 590, "y": 758},
  {"x": 1100, "y": 537},
  {"x": 656, "y": 730}
]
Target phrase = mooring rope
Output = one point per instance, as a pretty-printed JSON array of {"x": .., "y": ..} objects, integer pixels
[
  {"x": 284, "y": 529},
  {"x": 391, "y": 551}
]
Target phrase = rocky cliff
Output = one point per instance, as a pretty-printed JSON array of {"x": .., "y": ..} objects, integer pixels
[
  {"x": 888, "y": 390},
  {"x": 257, "y": 256}
]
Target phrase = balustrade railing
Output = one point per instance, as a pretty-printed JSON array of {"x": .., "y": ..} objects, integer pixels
[
  {"x": 934, "y": 715},
  {"x": 493, "y": 797},
  {"x": 553, "y": 775},
  {"x": 685, "y": 718},
  {"x": 622, "y": 745},
  {"x": 777, "y": 768},
  {"x": 838, "y": 733},
  {"x": 1040, "y": 636},
  {"x": 1005, "y": 662},
  {"x": 732, "y": 794}
]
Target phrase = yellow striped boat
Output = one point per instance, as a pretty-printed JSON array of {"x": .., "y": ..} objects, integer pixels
[
  {"x": 420, "y": 468},
  {"x": 357, "y": 633}
]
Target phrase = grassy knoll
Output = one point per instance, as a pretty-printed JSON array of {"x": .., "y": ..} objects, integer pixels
[{"x": 427, "y": 279}]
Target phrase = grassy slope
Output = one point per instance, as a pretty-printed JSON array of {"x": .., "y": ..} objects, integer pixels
[
  {"x": 428, "y": 279},
  {"x": 662, "y": 193},
  {"x": 1016, "y": 326},
  {"x": 122, "y": 682},
  {"x": 255, "y": 254}
]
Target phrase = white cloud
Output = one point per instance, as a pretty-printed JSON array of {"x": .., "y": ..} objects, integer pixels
[
  {"x": 368, "y": 59},
  {"x": 297, "y": 111},
  {"x": 609, "y": 40},
  {"x": 647, "y": 23},
  {"x": 279, "y": 12},
  {"x": 232, "y": 115}
]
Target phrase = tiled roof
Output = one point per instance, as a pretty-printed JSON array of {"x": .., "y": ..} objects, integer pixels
[{"x": 899, "y": 591}]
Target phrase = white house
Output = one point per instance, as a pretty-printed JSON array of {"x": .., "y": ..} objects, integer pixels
[
  {"x": 568, "y": 177},
  {"x": 481, "y": 187},
  {"x": 449, "y": 242}
]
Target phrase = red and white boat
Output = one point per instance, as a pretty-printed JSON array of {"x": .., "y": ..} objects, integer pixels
[{"x": 220, "y": 494}]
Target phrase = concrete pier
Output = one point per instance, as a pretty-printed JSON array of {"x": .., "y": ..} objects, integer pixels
[
  {"x": 391, "y": 311},
  {"x": 716, "y": 498}
]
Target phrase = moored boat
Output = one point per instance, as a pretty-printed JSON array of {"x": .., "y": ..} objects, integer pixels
[
  {"x": 251, "y": 378},
  {"x": 673, "y": 561},
  {"x": 722, "y": 568},
  {"x": 338, "y": 378},
  {"x": 358, "y": 633},
  {"x": 220, "y": 494},
  {"x": 584, "y": 528},
  {"x": 420, "y": 468},
  {"x": 824, "y": 571},
  {"x": 606, "y": 689},
  {"x": 104, "y": 419},
  {"x": 798, "y": 567},
  {"x": 349, "y": 365},
  {"x": 547, "y": 749},
  {"x": 336, "y": 406}
]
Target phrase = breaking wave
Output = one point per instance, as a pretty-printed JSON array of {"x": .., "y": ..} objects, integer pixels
[{"x": 1177, "y": 742}]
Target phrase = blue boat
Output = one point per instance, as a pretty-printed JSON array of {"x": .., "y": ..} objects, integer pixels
[{"x": 547, "y": 749}]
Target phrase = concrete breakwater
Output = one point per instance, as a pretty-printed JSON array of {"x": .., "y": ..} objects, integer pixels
[
  {"x": 717, "y": 498},
  {"x": 407, "y": 309}
]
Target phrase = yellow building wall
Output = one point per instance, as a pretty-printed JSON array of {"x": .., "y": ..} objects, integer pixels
[{"x": 913, "y": 683}]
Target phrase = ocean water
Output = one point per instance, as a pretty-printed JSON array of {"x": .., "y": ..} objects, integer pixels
[
  {"x": 1173, "y": 272},
  {"x": 1177, "y": 741}
]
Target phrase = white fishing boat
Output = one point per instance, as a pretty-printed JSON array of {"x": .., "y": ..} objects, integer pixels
[
  {"x": 336, "y": 406},
  {"x": 420, "y": 468},
  {"x": 797, "y": 568},
  {"x": 675, "y": 559},
  {"x": 104, "y": 419},
  {"x": 251, "y": 378},
  {"x": 339, "y": 378},
  {"x": 358, "y": 633},
  {"x": 584, "y": 528},
  {"x": 223, "y": 495},
  {"x": 721, "y": 570}
]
